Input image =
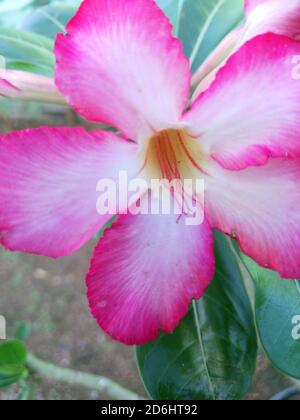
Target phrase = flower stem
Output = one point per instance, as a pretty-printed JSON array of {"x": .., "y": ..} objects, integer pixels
[
  {"x": 71, "y": 377},
  {"x": 286, "y": 394}
]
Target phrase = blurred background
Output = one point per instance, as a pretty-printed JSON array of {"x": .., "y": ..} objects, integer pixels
[{"x": 50, "y": 295}]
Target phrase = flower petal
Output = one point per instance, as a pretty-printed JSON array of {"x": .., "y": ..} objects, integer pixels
[
  {"x": 251, "y": 112},
  {"x": 262, "y": 16},
  {"x": 120, "y": 65},
  {"x": 206, "y": 73},
  {"x": 250, "y": 5},
  {"x": 7, "y": 88},
  {"x": 142, "y": 279},
  {"x": 29, "y": 87},
  {"x": 275, "y": 16},
  {"x": 48, "y": 180},
  {"x": 259, "y": 207}
]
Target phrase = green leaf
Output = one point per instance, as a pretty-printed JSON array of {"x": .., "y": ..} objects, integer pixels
[
  {"x": 105, "y": 227},
  {"x": 12, "y": 352},
  {"x": 22, "y": 331},
  {"x": 7, "y": 6},
  {"x": 51, "y": 19},
  {"x": 14, "y": 12},
  {"x": 12, "y": 362},
  {"x": 23, "y": 50},
  {"x": 25, "y": 393},
  {"x": 201, "y": 25},
  {"x": 11, "y": 11},
  {"x": 212, "y": 354},
  {"x": 10, "y": 375},
  {"x": 277, "y": 303}
]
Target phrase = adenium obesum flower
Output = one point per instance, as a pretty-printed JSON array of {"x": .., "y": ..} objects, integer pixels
[
  {"x": 28, "y": 86},
  {"x": 261, "y": 16},
  {"x": 272, "y": 16},
  {"x": 7, "y": 88},
  {"x": 120, "y": 65}
]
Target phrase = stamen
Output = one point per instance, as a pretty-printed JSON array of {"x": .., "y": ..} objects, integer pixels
[
  {"x": 186, "y": 151},
  {"x": 173, "y": 155}
]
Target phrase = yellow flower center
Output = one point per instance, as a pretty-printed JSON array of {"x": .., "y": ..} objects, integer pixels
[{"x": 173, "y": 155}]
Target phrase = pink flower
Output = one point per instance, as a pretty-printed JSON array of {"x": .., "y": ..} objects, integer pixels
[
  {"x": 29, "y": 86},
  {"x": 261, "y": 16},
  {"x": 7, "y": 88},
  {"x": 120, "y": 65},
  {"x": 272, "y": 16}
]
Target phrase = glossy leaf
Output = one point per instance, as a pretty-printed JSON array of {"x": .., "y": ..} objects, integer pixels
[
  {"x": 202, "y": 24},
  {"x": 106, "y": 226},
  {"x": 212, "y": 354},
  {"x": 11, "y": 11},
  {"x": 23, "y": 331},
  {"x": 26, "y": 51},
  {"x": 12, "y": 362},
  {"x": 25, "y": 393},
  {"x": 50, "y": 19},
  {"x": 277, "y": 309}
]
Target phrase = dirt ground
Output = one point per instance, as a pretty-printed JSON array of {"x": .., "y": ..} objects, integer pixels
[{"x": 51, "y": 296}]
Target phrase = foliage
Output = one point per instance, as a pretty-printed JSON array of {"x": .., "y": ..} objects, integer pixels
[{"x": 12, "y": 362}]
